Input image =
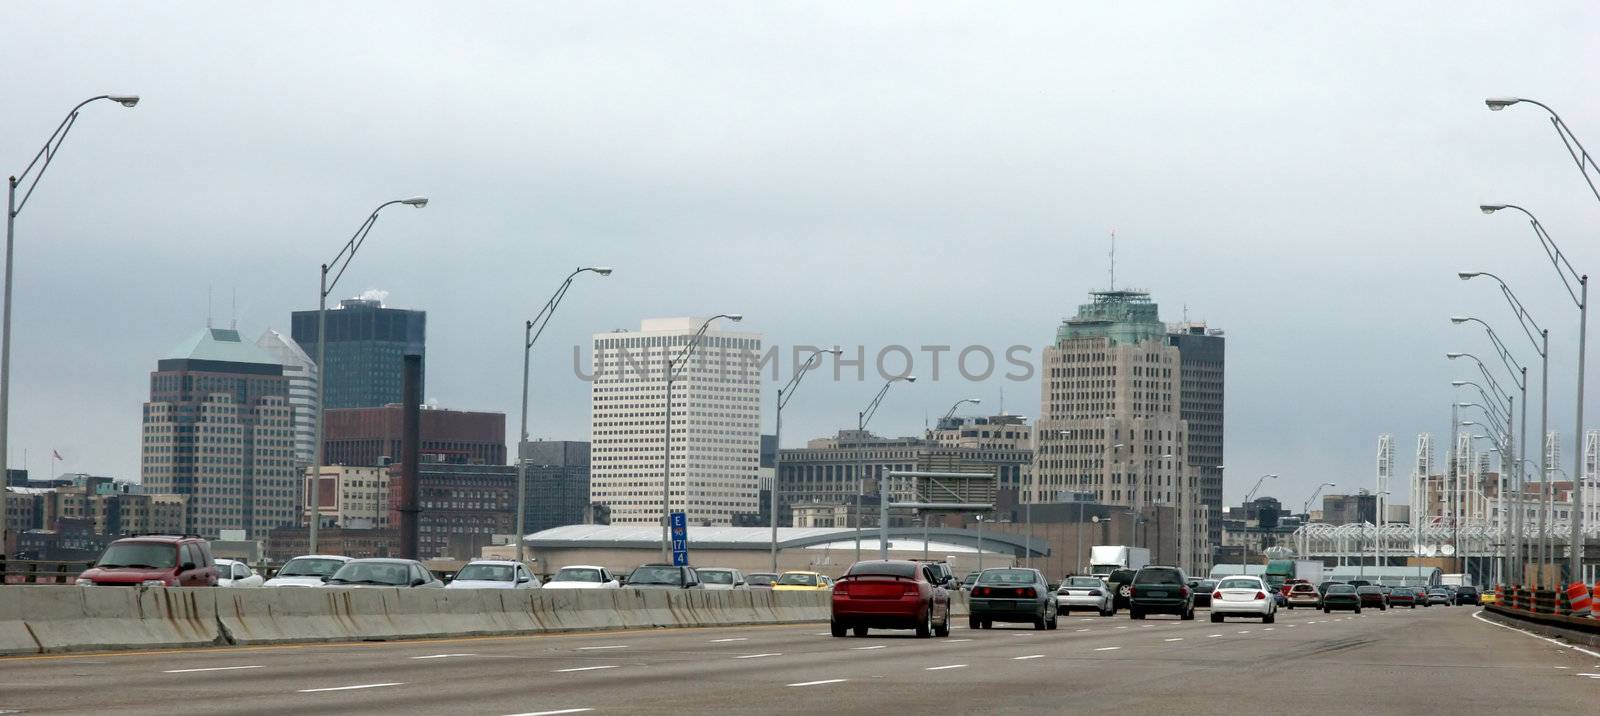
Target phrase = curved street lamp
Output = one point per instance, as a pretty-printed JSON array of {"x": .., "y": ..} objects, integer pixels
[
  {"x": 41, "y": 161},
  {"x": 671, "y": 369},
  {"x": 529, "y": 337},
  {"x": 342, "y": 260},
  {"x": 1580, "y": 156},
  {"x": 864, "y": 418},
  {"x": 784, "y": 394}
]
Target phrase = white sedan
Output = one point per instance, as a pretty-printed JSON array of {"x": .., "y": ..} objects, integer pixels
[
  {"x": 493, "y": 574},
  {"x": 307, "y": 570},
  {"x": 233, "y": 573},
  {"x": 583, "y": 576},
  {"x": 1083, "y": 594},
  {"x": 1243, "y": 597}
]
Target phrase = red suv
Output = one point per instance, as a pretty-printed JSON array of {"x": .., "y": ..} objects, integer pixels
[{"x": 153, "y": 561}]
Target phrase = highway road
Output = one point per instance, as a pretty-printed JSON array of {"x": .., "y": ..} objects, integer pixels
[{"x": 1417, "y": 661}]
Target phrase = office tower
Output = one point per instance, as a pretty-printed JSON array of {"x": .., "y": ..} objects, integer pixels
[
  {"x": 302, "y": 374},
  {"x": 716, "y": 422},
  {"x": 219, "y": 429},
  {"x": 558, "y": 483},
  {"x": 367, "y": 345},
  {"x": 371, "y": 437},
  {"x": 1112, "y": 423},
  {"x": 1201, "y": 359}
]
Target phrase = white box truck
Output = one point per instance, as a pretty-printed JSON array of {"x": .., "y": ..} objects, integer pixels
[{"x": 1105, "y": 559}]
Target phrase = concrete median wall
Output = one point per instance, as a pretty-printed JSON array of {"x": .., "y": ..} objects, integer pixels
[{"x": 43, "y": 619}]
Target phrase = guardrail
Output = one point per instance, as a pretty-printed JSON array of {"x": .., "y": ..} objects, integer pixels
[{"x": 30, "y": 571}]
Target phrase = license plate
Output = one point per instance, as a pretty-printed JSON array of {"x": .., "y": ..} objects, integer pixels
[{"x": 1157, "y": 594}]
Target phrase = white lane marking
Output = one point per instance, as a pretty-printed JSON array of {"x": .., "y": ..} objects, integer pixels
[
  {"x": 867, "y": 648},
  {"x": 351, "y": 688},
  {"x": 952, "y": 641},
  {"x": 1563, "y": 667},
  {"x": 1082, "y": 630},
  {"x": 1478, "y": 615},
  {"x": 1212, "y": 636},
  {"x": 737, "y": 638},
  {"x": 584, "y": 668},
  {"x": 441, "y": 656},
  {"x": 1267, "y": 629},
  {"x": 551, "y": 713},
  {"x": 1147, "y": 626},
  {"x": 756, "y": 656},
  {"x": 210, "y": 668},
  {"x": 1030, "y": 656},
  {"x": 942, "y": 668},
  {"x": 1291, "y": 626},
  {"x": 593, "y": 648},
  {"x": 1177, "y": 638},
  {"x": 1247, "y": 631},
  {"x": 1108, "y": 648},
  {"x": 819, "y": 683},
  {"x": 823, "y": 633},
  {"x": 1122, "y": 627}
]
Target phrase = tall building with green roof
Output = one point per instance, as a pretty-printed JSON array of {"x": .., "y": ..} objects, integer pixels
[{"x": 219, "y": 428}]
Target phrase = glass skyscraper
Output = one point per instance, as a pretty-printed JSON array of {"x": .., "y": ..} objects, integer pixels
[{"x": 367, "y": 345}]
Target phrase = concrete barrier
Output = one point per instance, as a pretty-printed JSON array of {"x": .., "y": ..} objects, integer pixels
[
  {"x": 60, "y": 618},
  {"x": 39, "y": 619}
]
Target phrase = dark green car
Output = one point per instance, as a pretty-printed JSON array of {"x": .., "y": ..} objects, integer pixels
[
  {"x": 1161, "y": 590},
  {"x": 1341, "y": 596}
]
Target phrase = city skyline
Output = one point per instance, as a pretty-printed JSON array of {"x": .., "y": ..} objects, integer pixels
[{"x": 1267, "y": 218}]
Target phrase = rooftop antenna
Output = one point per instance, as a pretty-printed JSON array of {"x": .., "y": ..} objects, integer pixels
[
  {"x": 233, "y": 322},
  {"x": 208, "y": 306},
  {"x": 1113, "y": 259},
  {"x": 1002, "y": 400}
]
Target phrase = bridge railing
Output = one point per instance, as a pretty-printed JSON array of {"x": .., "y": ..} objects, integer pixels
[{"x": 35, "y": 571}]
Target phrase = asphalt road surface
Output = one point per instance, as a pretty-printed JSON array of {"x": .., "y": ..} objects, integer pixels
[{"x": 1435, "y": 660}]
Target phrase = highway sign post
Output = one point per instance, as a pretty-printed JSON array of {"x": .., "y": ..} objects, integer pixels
[{"x": 680, "y": 539}]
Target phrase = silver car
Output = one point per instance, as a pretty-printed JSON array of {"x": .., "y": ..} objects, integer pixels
[
  {"x": 1085, "y": 594},
  {"x": 721, "y": 579},
  {"x": 493, "y": 574},
  {"x": 383, "y": 572}
]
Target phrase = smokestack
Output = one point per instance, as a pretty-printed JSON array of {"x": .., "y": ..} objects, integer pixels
[{"x": 411, "y": 455}]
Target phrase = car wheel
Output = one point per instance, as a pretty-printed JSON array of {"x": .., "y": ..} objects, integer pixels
[
  {"x": 973, "y": 623},
  {"x": 1187, "y": 616},
  {"x": 1327, "y": 610},
  {"x": 1038, "y": 623},
  {"x": 1269, "y": 618},
  {"x": 1108, "y": 612},
  {"x": 1134, "y": 613},
  {"x": 1291, "y": 607},
  {"x": 1216, "y": 618},
  {"x": 1358, "y": 610},
  {"x": 1052, "y": 624},
  {"x": 942, "y": 629},
  {"x": 988, "y": 624},
  {"x": 837, "y": 629},
  {"x": 1063, "y": 611},
  {"x": 925, "y": 629},
  {"x": 1413, "y": 605},
  {"x": 859, "y": 631}
]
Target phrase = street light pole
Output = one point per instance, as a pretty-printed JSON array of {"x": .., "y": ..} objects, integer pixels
[
  {"x": 1568, "y": 275},
  {"x": 784, "y": 394},
  {"x": 41, "y": 161},
  {"x": 1541, "y": 344},
  {"x": 341, "y": 261},
  {"x": 671, "y": 371},
  {"x": 864, "y": 418},
  {"x": 529, "y": 337}
]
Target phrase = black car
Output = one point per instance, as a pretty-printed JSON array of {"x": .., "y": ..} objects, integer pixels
[
  {"x": 1323, "y": 587},
  {"x": 1161, "y": 590},
  {"x": 1202, "y": 591},
  {"x": 1341, "y": 596},
  {"x": 1467, "y": 596},
  {"x": 663, "y": 576},
  {"x": 1011, "y": 595},
  {"x": 1120, "y": 582},
  {"x": 1372, "y": 596}
]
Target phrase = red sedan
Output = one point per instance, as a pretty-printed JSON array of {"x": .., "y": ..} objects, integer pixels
[{"x": 890, "y": 594}]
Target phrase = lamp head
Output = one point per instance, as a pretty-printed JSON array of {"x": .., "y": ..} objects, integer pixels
[
  {"x": 126, "y": 100},
  {"x": 911, "y": 379},
  {"x": 1453, "y": 356},
  {"x": 416, "y": 201},
  {"x": 1495, "y": 104},
  {"x": 1459, "y": 319},
  {"x": 834, "y": 351},
  {"x": 1490, "y": 208},
  {"x": 602, "y": 270},
  {"x": 974, "y": 401},
  {"x": 735, "y": 317},
  {"x": 1465, "y": 275},
  {"x": 1458, "y": 383}
]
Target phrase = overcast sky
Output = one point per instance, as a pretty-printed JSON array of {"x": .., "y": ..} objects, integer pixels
[{"x": 1303, "y": 176}]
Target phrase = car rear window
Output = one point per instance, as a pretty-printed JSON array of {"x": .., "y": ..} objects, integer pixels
[
  {"x": 1302, "y": 588},
  {"x": 1341, "y": 589},
  {"x": 656, "y": 575},
  {"x": 1084, "y": 582},
  {"x": 797, "y": 579},
  {"x": 883, "y": 569},
  {"x": 486, "y": 573},
  {"x": 1007, "y": 576},
  {"x": 1369, "y": 590},
  {"x": 142, "y": 555},
  {"x": 1239, "y": 584},
  {"x": 716, "y": 576},
  {"x": 577, "y": 574},
  {"x": 1158, "y": 576}
]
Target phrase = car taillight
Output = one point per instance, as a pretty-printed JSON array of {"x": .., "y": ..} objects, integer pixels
[
  {"x": 910, "y": 589},
  {"x": 1183, "y": 592},
  {"x": 1216, "y": 595},
  {"x": 841, "y": 589},
  {"x": 1026, "y": 592},
  {"x": 1261, "y": 595},
  {"x": 1131, "y": 590},
  {"x": 1094, "y": 592},
  {"x": 981, "y": 591}
]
